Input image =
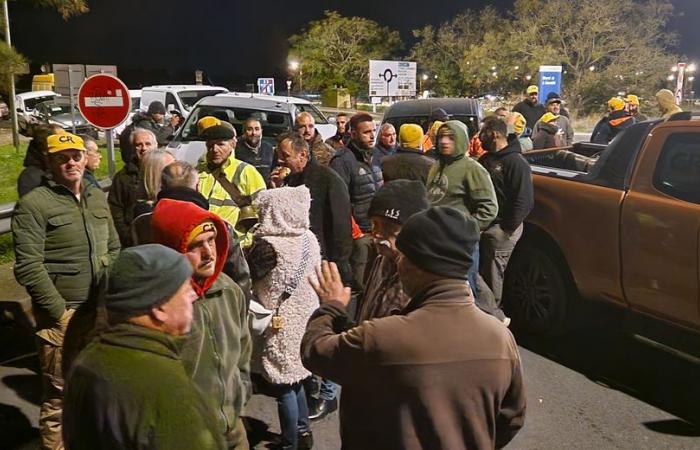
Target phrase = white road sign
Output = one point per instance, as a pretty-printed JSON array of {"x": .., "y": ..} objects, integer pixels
[{"x": 392, "y": 78}]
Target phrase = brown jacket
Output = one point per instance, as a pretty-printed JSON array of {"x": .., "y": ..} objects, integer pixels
[
  {"x": 440, "y": 375},
  {"x": 383, "y": 293}
]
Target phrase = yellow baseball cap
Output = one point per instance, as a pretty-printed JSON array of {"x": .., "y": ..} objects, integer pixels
[
  {"x": 207, "y": 122},
  {"x": 548, "y": 117},
  {"x": 411, "y": 135},
  {"x": 519, "y": 123},
  {"x": 533, "y": 89},
  {"x": 64, "y": 141},
  {"x": 632, "y": 99},
  {"x": 616, "y": 104}
]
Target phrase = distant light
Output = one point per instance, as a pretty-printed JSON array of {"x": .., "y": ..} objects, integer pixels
[
  {"x": 691, "y": 78},
  {"x": 495, "y": 74},
  {"x": 671, "y": 77},
  {"x": 621, "y": 93},
  {"x": 691, "y": 67},
  {"x": 294, "y": 65},
  {"x": 674, "y": 69},
  {"x": 528, "y": 77},
  {"x": 493, "y": 67},
  {"x": 435, "y": 77},
  {"x": 516, "y": 67},
  {"x": 425, "y": 76},
  {"x": 592, "y": 68}
]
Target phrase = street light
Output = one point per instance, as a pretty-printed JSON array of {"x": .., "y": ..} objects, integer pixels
[
  {"x": 289, "y": 88},
  {"x": 691, "y": 67},
  {"x": 295, "y": 65}
]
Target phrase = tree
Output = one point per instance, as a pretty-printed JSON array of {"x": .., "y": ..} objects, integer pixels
[{"x": 335, "y": 51}]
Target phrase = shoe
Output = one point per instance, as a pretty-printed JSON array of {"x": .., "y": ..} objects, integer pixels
[
  {"x": 319, "y": 408},
  {"x": 305, "y": 441}
]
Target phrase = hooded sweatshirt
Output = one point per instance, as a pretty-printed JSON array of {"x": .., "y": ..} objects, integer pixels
[
  {"x": 610, "y": 126},
  {"x": 217, "y": 352},
  {"x": 667, "y": 103},
  {"x": 284, "y": 224},
  {"x": 461, "y": 182}
]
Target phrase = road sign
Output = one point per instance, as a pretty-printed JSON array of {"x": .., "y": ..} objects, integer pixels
[
  {"x": 392, "y": 78},
  {"x": 680, "y": 79},
  {"x": 266, "y": 86},
  {"x": 550, "y": 81},
  {"x": 104, "y": 101}
]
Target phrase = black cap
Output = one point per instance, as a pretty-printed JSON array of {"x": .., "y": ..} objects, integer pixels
[
  {"x": 439, "y": 114},
  {"x": 156, "y": 108},
  {"x": 440, "y": 240},
  {"x": 184, "y": 194},
  {"x": 221, "y": 132},
  {"x": 398, "y": 200}
]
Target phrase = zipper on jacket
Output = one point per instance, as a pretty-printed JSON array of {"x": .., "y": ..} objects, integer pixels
[{"x": 217, "y": 355}]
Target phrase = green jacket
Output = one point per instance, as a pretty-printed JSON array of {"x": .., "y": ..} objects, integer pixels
[
  {"x": 62, "y": 245},
  {"x": 129, "y": 390},
  {"x": 461, "y": 182}
]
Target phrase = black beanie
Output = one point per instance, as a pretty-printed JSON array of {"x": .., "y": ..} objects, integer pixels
[
  {"x": 440, "y": 240},
  {"x": 184, "y": 194},
  {"x": 145, "y": 276},
  {"x": 222, "y": 132},
  {"x": 156, "y": 108},
  {"x": 398, "y": 200}
]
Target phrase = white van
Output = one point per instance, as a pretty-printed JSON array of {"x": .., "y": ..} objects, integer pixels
[
  {"x": 135, "y": 95},
  {"x": 276, "y": 115},
  {"x": 181, "y": 98}
]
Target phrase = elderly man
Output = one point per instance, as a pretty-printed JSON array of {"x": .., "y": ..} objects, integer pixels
[
  {"x": 128, "y": 388},
  {"x": 386, "y": 145},
  {"x": 440, "y": 374},
  {"x": 94, "y": 158},
  {"x": 226, "y": 182},
  {"x": 306, "y": 126},
  {"x": 217, "y": 353},
  {"x": 64, "y": 238},
  {"x": 253, "y": 150},
  {"x": 127, "y": 187}
]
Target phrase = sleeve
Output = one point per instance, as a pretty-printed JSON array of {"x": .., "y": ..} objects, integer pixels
[
  {"x": 569, "y": 132},
  {"x": 482, "y": 196},
  {"x": 341, "y": 235},
  {"x": 117, "y": 208},
  {"x": 29, "y": 235},
  {"x": 328, "y": 351},
  {"x": 251, "y": 181},
  {"x": 162, "y": 134},
  {"x": 113, "y": 243},
  {"x": 523, "y": 195},
  {"x": 511, "y": 416},
  {"x": 599, "y": 136},
  {"x": 246, "y": 349}
]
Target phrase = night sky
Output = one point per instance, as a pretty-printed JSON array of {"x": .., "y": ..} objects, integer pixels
[{"x": 233, "y": 41}]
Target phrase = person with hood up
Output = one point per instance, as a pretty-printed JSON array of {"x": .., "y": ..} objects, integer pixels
[
  {"x": 216, "y": 354},
  {"x": 284, "y": 254},
  {"x": 409, "y": 162},
  {"x": 441, "y": 374},
  {"x": 667, "y": 103},
  {"x": 512, "y": 179},
  {"x": 393, "y": 205},
  {"x": 612, "y": 124},
  {"x": 548, "y": 134},
  {"x": 128, "y": 388}
]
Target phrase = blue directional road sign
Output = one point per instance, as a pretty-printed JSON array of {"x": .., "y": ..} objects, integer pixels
[
  {"x": 550, "y": 81},
  {"x": 266, "y": 86}
]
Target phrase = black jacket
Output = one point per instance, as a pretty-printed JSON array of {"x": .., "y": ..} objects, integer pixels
[
  {"x": 363, "y": 180},
  {"x": 125, "y": 191},
  {"x": 532, "y": 113},
  {"x": 610, "y": 126},
  {"x": 512, "y": 180},
  {"x": 263, "y": 160},
  {"x": 406, "y": 164},
  {"x": 329, "y": 214},
  {"x": 163, "y": 132}
]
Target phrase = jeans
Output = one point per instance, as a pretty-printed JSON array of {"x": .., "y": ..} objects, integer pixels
[{"x": 293, "y": 413}]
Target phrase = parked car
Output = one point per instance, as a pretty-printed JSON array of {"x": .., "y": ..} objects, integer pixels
[
  {"x": 276, "y": 115},
  {"x": 622, "y": 227},
  {"x": 25, "y": 103},
  {"x": 466, "y": 110},
  {"x": 135, "y": 95},
  {"x": 181, "y": 98},
  {"x": 58, "y": 112}
]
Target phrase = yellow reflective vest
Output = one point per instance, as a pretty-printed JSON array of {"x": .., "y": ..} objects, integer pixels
[{"x": 243, "y": 175}]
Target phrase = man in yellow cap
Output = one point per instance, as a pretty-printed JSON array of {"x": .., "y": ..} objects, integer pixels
[
  {"x": 613, "y": 123},
  {"x": 409, "y": 162},
  {"x": 530, "y": 107},
  {"x": 226, "y": 182},
  {"x": 632, "y": 106},
  {"x": 64, "y": 238}
]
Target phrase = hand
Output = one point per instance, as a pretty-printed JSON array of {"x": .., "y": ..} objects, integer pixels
[
  {"x": 174, "y": 120},
  {"x": 328, "y": 284},
  {"x": 278, "y": 175}
]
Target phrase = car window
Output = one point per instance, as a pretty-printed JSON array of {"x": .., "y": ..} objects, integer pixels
[
  {"x": 273, "y": 123},
  {"x": 678, "y": 169},
  {"x": 311, "y": 109},
  {"x": 30, "y": 103},
  {"x": 470, "y": 121},
  {"x": 189, "y": 98},
  {"x": 135, "y": 103},
  {"x": 170, "y": 101}
]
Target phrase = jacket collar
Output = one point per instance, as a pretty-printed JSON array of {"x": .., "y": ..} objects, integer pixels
[
  {"x": 442, "y": 291},
  {"x": 136, "y": 337},
  {"x": 512, "y": 147}
]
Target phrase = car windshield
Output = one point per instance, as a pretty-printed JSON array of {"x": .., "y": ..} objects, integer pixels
[
  {"x": 52, "y": 109},
  {"x": 470, "y": 121},
  {"x": 189, "y": 98},
  {"x": 319, "y": 118},
  {"x": 30, "y": 103},
  {"x": 135, "y": 103},
  {"x": 273, "y": 122}
]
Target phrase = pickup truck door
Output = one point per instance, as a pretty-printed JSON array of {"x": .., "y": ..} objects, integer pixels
[{"x": 660, "y": 226}]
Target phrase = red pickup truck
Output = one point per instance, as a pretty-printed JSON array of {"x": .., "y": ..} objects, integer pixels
[{"x": 618, "y": 223}]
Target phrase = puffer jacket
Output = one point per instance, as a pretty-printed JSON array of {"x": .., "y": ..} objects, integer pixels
[
  {"x": 62, "y": 246},
  {"x": 363, "y": 181},
  {"x": 284, "y": 224},
  {"x": 461, "y": 182},
  {"x": 217, "y": 353}
]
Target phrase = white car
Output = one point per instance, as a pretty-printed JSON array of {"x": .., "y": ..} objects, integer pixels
[
  {"x": 276, "y": 115},
  {"x": 135, "y": 95},
  {"x": 180, "y": 98},
  {"x": 26, "y": 103}
]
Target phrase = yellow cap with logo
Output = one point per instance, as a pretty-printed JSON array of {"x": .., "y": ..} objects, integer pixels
[
  {"x": 64, "y": 141},
  {"x": 616, "y": 104},
  {"x": 548, "y": 117},
  {"x": 206, "y": 122},
  {"x": 533, "y": 89}
]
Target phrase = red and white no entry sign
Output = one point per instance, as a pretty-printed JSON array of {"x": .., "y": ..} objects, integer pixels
[{"x": 104, "y": 101}]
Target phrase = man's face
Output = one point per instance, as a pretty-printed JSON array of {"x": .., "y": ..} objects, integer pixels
[
  {"x": 388, "y": 137},
  {"x": 252, "y": 133},
  {"x": 364, "y": 135},
  {"x": 202, "y": 255},
  {"x": 143, "y": 142},
  {"x": 67, "y": 166},
  {"x": 632, "y": 108},
  {"x": 94, "y": 157},
  {"x": 158, "y": 117},
  {"x": 532, "y": 98},
  {"x": 218, "y": 151},
  {"x": 446, "y": 139},
  {"x": 306, "y": 127},
  {"x": 177, "y": 312},
  {"x": 384, "y": 233},
  {"x": 288, "y": 157},
  {"x": 488, "y": 138},
  {"x": 554, "y": 108},
  {"x": 502, "y": 113},
  {"x": 342, "y": 123}
]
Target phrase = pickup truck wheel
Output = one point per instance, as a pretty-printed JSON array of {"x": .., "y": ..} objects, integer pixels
[{"x": 535, "y": 295}]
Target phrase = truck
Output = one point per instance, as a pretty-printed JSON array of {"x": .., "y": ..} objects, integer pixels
[{"x": 619, "y": 224}]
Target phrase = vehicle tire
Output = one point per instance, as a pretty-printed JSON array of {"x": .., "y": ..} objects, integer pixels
[{"x": 536, "y": 292}]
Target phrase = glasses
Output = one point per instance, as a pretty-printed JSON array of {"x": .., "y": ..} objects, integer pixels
[{"x": 62, "y": 158}]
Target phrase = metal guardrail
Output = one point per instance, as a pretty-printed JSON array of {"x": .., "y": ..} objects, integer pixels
[{"x": 7, "y": 208}]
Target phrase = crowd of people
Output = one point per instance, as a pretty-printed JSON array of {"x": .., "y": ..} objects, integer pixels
[{"x": 372, "y": 262}]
